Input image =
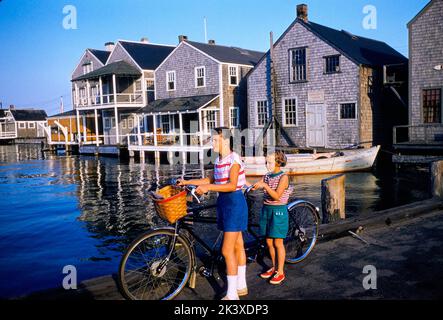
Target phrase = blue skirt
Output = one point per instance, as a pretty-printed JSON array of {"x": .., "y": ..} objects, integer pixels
[{"x": 232, "y": 212}]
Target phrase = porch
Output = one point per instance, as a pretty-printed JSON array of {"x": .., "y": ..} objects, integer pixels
[{"x": 425, "y": 136}]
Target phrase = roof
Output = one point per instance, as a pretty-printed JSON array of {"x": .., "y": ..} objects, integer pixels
[
  {"x": 69, "y": 113},
  {"x": 101, "y": 55},
  {"x": 28, "y": 114},
  {"x": 178, "y": 104},
  {"x": 359, "y": 49},
  {"x": 2, "y": 113},
  {"x": 120, "y": 68},
  {"x": 229, "y": 54},
  {"x": 147, "y": 56}
]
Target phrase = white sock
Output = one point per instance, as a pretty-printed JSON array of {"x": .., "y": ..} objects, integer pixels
[
  {"x": 241, "y": 278},
  {"x": 232, "y": 288}
]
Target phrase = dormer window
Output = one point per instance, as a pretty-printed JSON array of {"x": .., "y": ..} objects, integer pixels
[
  {"x": 233, "y": 76},
  {"x": 332, "y": 64},
  {"x": 170, "y": 80}
]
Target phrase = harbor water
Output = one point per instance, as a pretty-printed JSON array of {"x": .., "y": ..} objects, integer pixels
[{"x": 59, "y": 210}]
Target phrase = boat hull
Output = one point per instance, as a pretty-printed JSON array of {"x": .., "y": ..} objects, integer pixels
[{"x": 351, "y": 161}]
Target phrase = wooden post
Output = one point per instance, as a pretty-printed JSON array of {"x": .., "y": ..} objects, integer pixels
[
  {"x": 437, "y": 179},
  {"x": 333, "y": 198}
]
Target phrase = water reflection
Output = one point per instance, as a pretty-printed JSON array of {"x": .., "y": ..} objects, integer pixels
[{"x": 59, "y": 210}]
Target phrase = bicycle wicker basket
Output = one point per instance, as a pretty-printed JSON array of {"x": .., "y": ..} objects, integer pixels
[{"x": 173, "y": 206}]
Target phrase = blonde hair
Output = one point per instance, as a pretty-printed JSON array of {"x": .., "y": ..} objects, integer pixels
[{"x": 280, "y": 157}]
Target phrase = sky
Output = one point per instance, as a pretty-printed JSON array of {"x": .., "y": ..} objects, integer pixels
[{"x": 38, "y": 54}]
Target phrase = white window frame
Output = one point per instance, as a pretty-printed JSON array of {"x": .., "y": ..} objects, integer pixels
[
  {"x": 196, "y": 69},
  {"x": 88, "y": 67},
  {"x": 170, "y": 122},
  {"x": 283, "y": 108},
  {"x": 205, "y": 117},
  {"x": 238, "y": 118},
  {"x": 174, "y": 80},
  {"x": 236, "y": 75},
  {"x": 130, "y": 122},
  {"x": 291, "y": 69},
  {"x": 256, "y": 112},
  {"x": 356, "y": 111},
  {"x": 31, "y": 125},
  {"x": 21, "y": 125}
]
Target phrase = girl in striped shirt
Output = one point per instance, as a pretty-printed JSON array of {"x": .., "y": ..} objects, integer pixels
[
  {"x": 232, "y": 210},
  {"x": 274, "y": 219}
]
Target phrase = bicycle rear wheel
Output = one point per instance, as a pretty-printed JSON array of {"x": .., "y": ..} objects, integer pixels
[
  {"x": 303, "y": 231},
  {"x": 154, "y": 268}
]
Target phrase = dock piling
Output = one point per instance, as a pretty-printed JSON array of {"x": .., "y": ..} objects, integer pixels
[
  {"x": 437, "y": 179},
  {"x": 333, "y": 198}
]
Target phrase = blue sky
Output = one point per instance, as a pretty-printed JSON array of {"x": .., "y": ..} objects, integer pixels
[{"x": 37, "y": 55}]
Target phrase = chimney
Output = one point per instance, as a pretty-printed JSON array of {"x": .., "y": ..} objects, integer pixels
[
  {"x": 211, "y": 42},
  {"x": 182, "y": 38},
  {"x": 144, "y": 40},
  {"x": 302, "y": 12},
  {"x": 109, "y": 46},
  {"x": 11, "y": 107}
]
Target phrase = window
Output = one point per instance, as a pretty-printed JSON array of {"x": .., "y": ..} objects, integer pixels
[
  {"x": 150, "y": 90},
  {"x": 210, "y": 120},
  {"x": 22, "y": 125},
  {"x": 200, "y": 80},
  {"x": 432, "y": 106},
  {"x": 31, "y": 125},
  {"x": 87, "y": 67},
  {"x": 165, "y": 123},
  {"x": 298, "y": 67},
  {"x": 290, "y": 112},
  {"x": 138, "y": 85},
  {"x": 234, "y": 117},
  {"x": 348, "y": 111},
  {"x": 332, "y": 64},
  {"x": 262, "y": 113},
  {"x": 170, "y": 79},
  {"x": 233, "y": 75}
]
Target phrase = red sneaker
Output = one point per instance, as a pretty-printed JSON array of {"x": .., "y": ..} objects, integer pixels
[
  {"x": 268, "y": 274},
  {"x": 277, "y": 278}
]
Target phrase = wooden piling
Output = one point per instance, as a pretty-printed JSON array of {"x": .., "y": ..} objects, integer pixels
[
  {"x": 437, "y": 179},
  {"x": 333, "y": 198}
]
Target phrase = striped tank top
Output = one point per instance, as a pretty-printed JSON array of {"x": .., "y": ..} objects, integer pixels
[
  {"x": 272, "y": 180},
  {"x": 223, "y": 167}
]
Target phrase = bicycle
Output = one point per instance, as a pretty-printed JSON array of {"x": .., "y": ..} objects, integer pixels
[{"x": 158, "y": 264}]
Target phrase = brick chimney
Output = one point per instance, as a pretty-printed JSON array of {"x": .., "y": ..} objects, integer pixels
[
  {"x": 302, "y": 12},
  {"x": 211, "y": 42},
  {"x": 144, "y": 40},
  {"x": 182, "y": 38},
  {"x": 109, "y": 46}
]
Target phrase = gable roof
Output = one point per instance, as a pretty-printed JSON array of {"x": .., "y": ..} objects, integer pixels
[
  {"x": 28, "y": 114},
  {"x": 2, "y": 113},
  {"x": 121, "y": 68},
  {"x": 360, "y": 50},
  {"x": 227, "y": 54},
  {"x": 101, "y": 55},
  {"x": 148, "y": 56}
]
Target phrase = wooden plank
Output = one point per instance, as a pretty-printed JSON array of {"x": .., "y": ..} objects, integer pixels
[
  {"x": 437, "y": 179},
  {"x": 333, "y": 198}
]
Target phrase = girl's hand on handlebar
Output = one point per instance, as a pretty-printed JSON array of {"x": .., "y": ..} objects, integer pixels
[
  {"x": 201, "y": 190},
  {"x": 259, "y": 185}
]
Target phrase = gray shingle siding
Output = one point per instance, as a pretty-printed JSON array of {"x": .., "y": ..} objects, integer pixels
[
  {"x": 426, "y": 51},
  {"x": 120, "y": 54},
  {"x": 338, "y": 88},
  {"x": 86, "y": 58},
  {"x": 183, "y": 61}
]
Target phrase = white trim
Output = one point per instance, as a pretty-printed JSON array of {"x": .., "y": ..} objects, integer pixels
[
  {"x": 167, "y": 80},
  {"x": 205, "y": 117},
  {"x": 238, "y": 64},
  {"x": 147, "y": 43},
  {"x": 238, "y": 117},
  {"x": 221, "y": 100},
  {"x": 196, "y": 77},
  {"x": 169, "y": 55},
  {"x": 31, "y": 123},
  {"x": 356, "y": 111},
  {"x": 237, "y": 75},
  {"x": 21, "y": 125},
  {"x": 325, "y": 135},
  {"x": 283, "y": 111},
  {"x": 202, "y": 52}
]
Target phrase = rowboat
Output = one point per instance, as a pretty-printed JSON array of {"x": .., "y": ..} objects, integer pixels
[{"x": 318, "y": 163}]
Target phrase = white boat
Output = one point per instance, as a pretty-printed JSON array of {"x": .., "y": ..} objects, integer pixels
[{"x": 318, "y": 163}]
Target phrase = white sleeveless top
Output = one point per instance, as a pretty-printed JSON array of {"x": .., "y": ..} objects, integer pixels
[{"x": 223, "y": 167}]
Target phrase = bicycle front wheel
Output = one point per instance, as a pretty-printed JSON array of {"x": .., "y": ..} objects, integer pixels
[
  {"x": 154, "y": 267},
  {"x": 303, "y": 232}
]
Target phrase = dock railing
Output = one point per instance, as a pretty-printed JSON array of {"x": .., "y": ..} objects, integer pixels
[{"x": 169, "y": 139}]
